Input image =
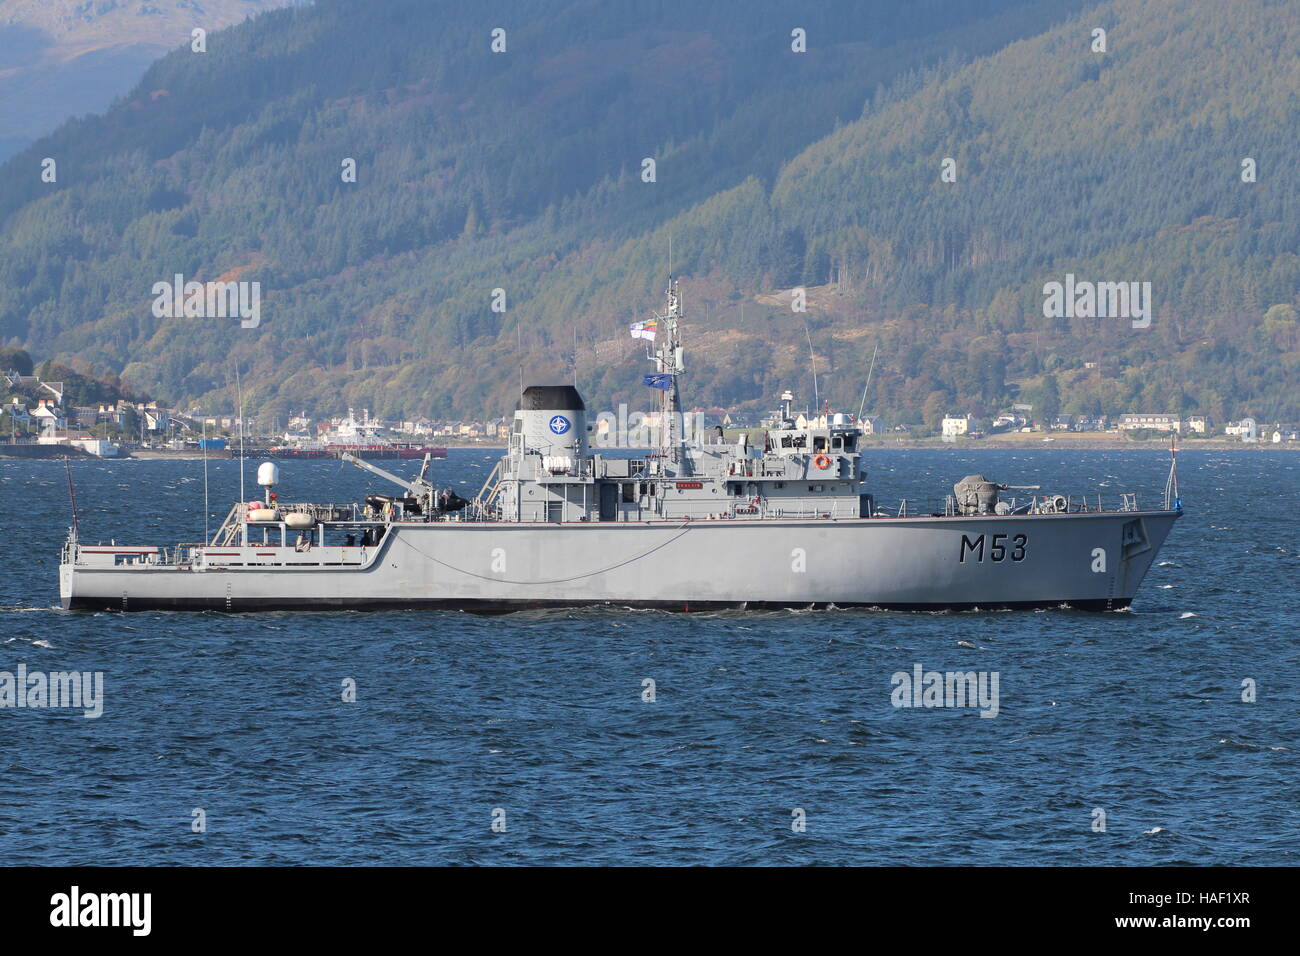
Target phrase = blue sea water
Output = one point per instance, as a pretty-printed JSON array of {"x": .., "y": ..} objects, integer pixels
[{"x": 757, "y": 715}]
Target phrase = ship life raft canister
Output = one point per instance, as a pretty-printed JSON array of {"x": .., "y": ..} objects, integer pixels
[{"x": 256, "y": 511}]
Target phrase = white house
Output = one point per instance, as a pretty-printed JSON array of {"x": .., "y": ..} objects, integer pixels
[
  {"x": 954, "y": 425},
  {"x": 1244, "y": 429},
  {"x": 1155, "y": 423},
  {"x": 46, "y": 416}
]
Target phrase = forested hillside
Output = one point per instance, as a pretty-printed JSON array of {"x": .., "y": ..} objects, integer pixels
[{"x": 522, "y": 171}]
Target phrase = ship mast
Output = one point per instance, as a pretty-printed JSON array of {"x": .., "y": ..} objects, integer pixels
[{"x": 668, "y": 361}]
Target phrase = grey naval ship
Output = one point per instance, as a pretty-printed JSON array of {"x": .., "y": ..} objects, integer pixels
[{"x": 782, "y": 521}]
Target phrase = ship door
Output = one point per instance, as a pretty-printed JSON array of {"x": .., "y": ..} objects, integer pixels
[{"x": 608, "y": 501}]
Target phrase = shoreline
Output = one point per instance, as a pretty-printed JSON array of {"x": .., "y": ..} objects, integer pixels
[{"x": 1072, "y": 443}]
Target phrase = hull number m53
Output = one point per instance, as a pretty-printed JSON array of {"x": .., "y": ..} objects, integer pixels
[{"x": 999, "y": 547}]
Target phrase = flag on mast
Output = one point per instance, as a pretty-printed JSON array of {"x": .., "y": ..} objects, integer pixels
[
  {"x": 660, "y": 380},
  {"x": 646, "y": 329}
]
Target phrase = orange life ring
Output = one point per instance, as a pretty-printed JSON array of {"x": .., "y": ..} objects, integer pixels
[{"x": 822, "y": 462}]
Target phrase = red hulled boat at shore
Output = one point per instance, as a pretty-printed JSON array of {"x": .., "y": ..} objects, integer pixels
[{"x": 395, "y": 450}]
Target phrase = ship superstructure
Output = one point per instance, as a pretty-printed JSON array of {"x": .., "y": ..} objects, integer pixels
[{"x": 570, "y": 516}]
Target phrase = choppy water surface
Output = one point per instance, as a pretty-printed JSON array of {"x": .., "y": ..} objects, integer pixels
[{"x": 756, "y": 714}]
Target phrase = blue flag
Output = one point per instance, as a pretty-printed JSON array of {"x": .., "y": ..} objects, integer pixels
[{"x": 659, "y": 380}]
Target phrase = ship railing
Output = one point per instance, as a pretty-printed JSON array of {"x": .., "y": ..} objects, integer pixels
[
  {"x": 228, "y": 531},
  {"x": 1076, "y": 504},
  {"x": 761, "y": 468},
  {"x": 836, "y": 509},
  {"x": 514, "y": 469},
  {"x": 321, "y": 512},
  {"x": 179, "y": 556},
  {"x": 1037, "y": 504},
  {"x": 185, "y": 552},
  {"x": 924, "y": 508}
]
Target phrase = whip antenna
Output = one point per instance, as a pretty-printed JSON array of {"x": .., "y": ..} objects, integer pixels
[
  {"x": 817, "y": 399},
  {"x": 72, "y": 494},
  {"x": 239, "y": 393},
  {"x": 862, "y": 406},
  {"x": 206, "y": 509}
]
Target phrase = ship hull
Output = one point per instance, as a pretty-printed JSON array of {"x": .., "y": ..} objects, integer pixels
[{"x": 1091, "y": 561}]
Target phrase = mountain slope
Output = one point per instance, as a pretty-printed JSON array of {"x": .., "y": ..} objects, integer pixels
[
  {"x": 61, "y": 58},
  {"x": 521, "y": 171}
]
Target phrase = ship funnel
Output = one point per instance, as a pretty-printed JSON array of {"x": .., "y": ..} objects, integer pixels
[{"x": 554, "y": 421}]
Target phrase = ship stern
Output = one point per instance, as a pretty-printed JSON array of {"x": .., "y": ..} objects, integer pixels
[
  {"x": 67, "y": 578},
  {"x": 68, "y": 570}
]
